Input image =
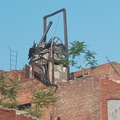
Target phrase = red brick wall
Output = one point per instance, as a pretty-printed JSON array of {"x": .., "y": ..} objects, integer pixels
[
  {"x": 102, "y": 71},
  {"x": 6, "y": 114},
  {"x": 79, "y": 100},
  {"x": 27, "y": 86},
  {"x": 110, "y": 90}
]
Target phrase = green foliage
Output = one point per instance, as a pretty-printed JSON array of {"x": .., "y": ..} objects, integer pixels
[
  {"x": 35, "y": 111},
  {"x": 41, "y": 99},
  {"x": 90, "y": 58},
  {"x": 63, "y": 61},
  {"x": 79, "y": 49},
  {"x": 9, "y": 89},
  {"x": 3, "y": 85},
  {"x": 44, "y": 98},
  {"x": 9, "y": 104},
  {"x": 13, "y": 89}
]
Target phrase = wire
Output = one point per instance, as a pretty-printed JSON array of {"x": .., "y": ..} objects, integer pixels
[
  {"x": 113, "y": 67},
  {"x": 54, "y": 37}
]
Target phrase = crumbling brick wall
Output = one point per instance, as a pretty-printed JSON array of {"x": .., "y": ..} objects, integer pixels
[
  {"x": 84, "y": 98},
  {"x": 27, "y": 87},
  {"x": 110, "y": 90},
  {"x": 79, "y": 100},
  {"x": 6, "y": 114}
]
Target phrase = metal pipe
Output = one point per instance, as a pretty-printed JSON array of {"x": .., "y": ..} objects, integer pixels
[
  {"x": 44, "y": 28},
  {"x": 65, "y": 23},
  {"x": 45, "y": 32},
  {"x": 61, "y": 10}
]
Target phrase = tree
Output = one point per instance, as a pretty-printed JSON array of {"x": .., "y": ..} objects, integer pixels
[
  {"x": 9, "y": 89},
  {"x": 78, "y": 50},
  {"x": 79, "y": 56},
  {"x": 41, "y": 99}
]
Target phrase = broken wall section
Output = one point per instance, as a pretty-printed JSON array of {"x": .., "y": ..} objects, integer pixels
[
  {"x": 7, "y": 114},
  {"x": 79, "y": 100}
]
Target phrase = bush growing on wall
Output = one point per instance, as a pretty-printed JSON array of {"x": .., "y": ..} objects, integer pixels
[
  {"x": 9, "y": 89},
  {"x": 41, "y": 99}
]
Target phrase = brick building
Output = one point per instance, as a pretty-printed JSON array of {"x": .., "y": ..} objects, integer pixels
[
  {"x": 92, "y": 97},
  {"x": 93, "y": 94}
]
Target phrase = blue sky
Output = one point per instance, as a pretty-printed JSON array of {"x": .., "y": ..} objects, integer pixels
[{"x": 97, "y": 22}]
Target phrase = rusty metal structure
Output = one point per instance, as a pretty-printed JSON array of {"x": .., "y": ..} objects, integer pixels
[{"x": 45, "y": 58}]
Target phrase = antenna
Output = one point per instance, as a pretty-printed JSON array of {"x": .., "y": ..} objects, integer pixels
[
  {"x": 113, "y": 66},
  {"x": 13, "y": 59}
]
